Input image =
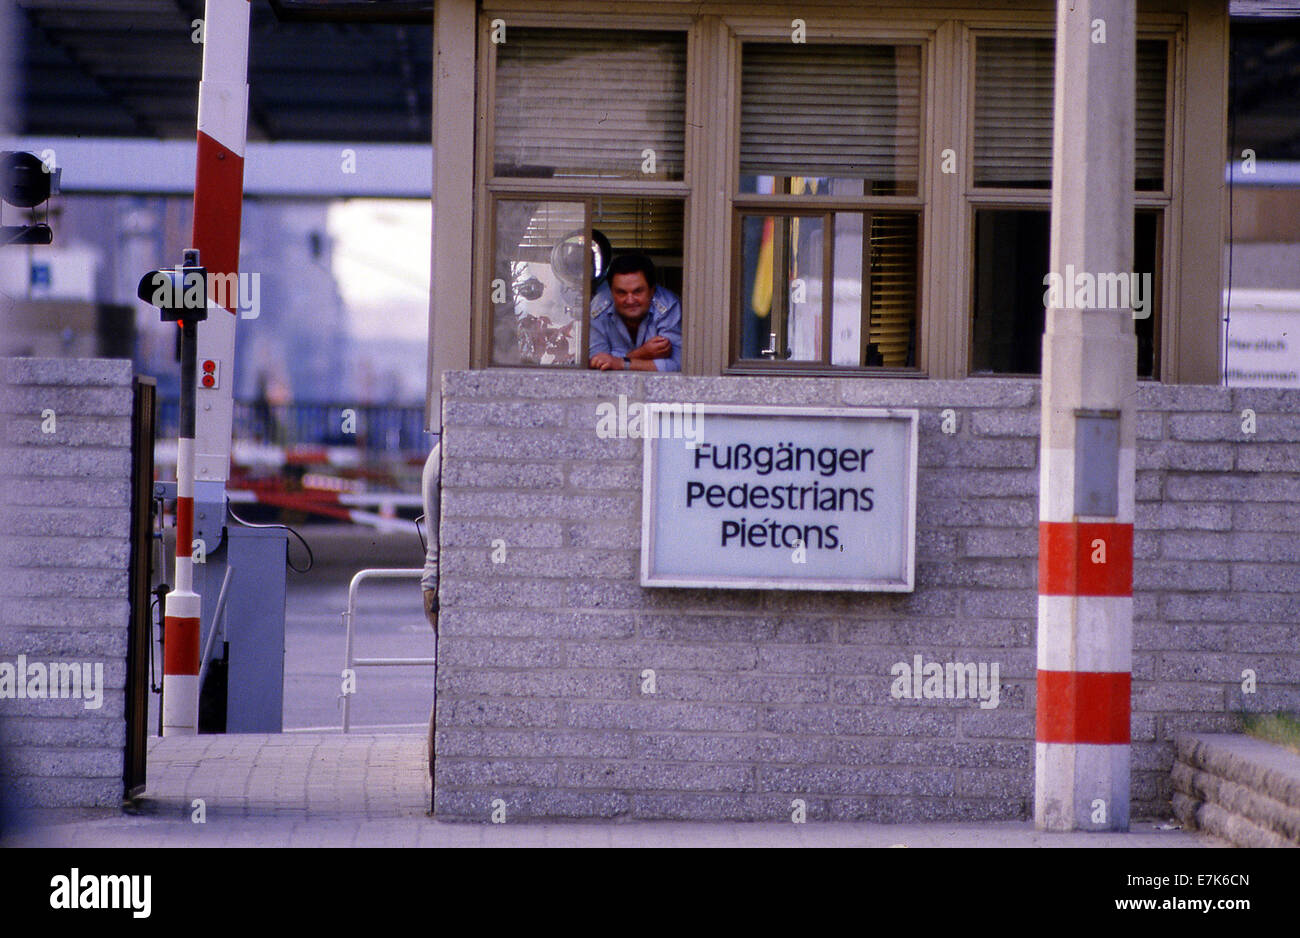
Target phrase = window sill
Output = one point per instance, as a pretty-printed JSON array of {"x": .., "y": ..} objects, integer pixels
[{"x": 820, "y": 371}]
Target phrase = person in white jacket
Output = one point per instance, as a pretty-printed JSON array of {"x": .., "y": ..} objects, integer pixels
[{"x": 431, "y": 485}]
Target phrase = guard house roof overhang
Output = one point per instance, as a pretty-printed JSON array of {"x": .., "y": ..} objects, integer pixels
[{"x": 130, "y": 68}]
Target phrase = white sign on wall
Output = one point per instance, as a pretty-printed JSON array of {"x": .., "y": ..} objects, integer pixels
[
  {"x": 779, "y": 498},
  {"x": 1262, "y": 339}
]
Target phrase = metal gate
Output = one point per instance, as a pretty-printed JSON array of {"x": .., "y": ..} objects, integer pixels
[{"x": 144, "y": 415}]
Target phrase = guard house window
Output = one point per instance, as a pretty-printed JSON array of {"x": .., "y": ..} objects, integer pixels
[
  {"x": 1011, "y": 198},
  {"x": 587, "y": 147},
  {"x": 828, "y": 213}
]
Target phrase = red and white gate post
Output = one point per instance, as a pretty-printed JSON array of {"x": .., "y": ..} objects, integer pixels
[
  {"x": 203, "y": 457},
  {"x": 1086, "y": 487}
]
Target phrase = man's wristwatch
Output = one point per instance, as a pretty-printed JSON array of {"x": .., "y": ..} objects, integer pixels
[{"x": 627, "y": 362}]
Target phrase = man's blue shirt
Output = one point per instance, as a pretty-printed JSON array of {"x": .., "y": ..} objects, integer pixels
[{"x": 609, "y": 333}]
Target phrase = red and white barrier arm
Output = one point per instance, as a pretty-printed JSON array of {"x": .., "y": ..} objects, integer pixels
[{"x": 204, "y": 448}]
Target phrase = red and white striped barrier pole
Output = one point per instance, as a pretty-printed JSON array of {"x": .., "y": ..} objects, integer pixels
[
  {"x": 1086, "y": 485},
  {"x": 180, "y": 702},
  {"x": 204, "y": 452},
  {"x": 218, "y": 202}
]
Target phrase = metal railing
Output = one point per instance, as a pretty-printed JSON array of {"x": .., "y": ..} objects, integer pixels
[
  {"x": 349, "y": 620},
  {"x": 391, "y": 430}
]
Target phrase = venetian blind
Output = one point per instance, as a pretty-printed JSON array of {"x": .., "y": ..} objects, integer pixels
[
  {"x": 819, "y": 110},
  {"x": 590, "y": 103},
  {"x": 1013, "y": 112},
  {"x": 892, "y": 313}
]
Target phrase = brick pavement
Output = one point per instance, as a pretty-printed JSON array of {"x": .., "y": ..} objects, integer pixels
[{"x": 364, "y": 790}]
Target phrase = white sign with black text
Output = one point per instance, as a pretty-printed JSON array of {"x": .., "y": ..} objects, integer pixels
[{"x": 780, "y": 498}]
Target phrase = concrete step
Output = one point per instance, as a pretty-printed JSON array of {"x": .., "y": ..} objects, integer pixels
[{"x": 1237, "y": 787}]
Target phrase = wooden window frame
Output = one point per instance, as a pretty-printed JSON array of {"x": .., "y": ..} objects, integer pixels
[
  {"x": 490, "y": 188},
  {"x": 1163, "y": 200},
  {"x": 742, "y": 204}
]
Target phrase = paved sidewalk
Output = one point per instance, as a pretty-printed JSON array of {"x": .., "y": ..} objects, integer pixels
[{"x": 363, "y": 790}]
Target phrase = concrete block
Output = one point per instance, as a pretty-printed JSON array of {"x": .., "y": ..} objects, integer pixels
[
  {"x": 531, "y": 413},
  {"x": 456, "y": 651},
  {"x": 622, "y": 477},
  {"x": 497, "y": 773},
  {"x": 475, "y": 682},
  {"x": 1266, "y": 578},
  {"x": 524, "y": 805},
  {"x": 663, "y": 715},
  {"x": 1201, "y": 698},
  {"x": 1007, "y": 542},
  {"x": 62, "y": 552},
  {"x": 690, "y": 807},
  {"x": 46, "y": 493},
  {"x": 1001, "y": 603},
  {"x": 1266, "y": 400},
  {"x": 75, "y": 372},
  {"x": 739, "y": 688},
  {"x": 1152, "y": 396},
  {"x": 79, "y": 401},
  {"x": 464, "y": 503},
  {"x": 473, "y": 533},
  {"x": 940, "y": 450},
  {"x": 605, "y": 534},
  {"x": 1181, "y": 517},
  {"x": 504, "y": 714},
  {"x": 71, "y": 430},
  {"x": 976, "y": 483},
  {"x": 995, "y": 783},
  {"x": 83, "y": 522},
  {"x": 66, "y": 613},
  {"x": 658, "y": 776},
  {"x": 695, "y": 747},
  {"x": 64, "y": 763},
  {"x": 520, "y": 744},
  {"x": 947, "y": 513},
  {"x": 635, "y": 656},
  {"x": 1188, "y": 576},
  {"x": 481, "y": 473},
  {"x": 1014, "y": 423},
  {"x": 1266, "y": 457},
  {"x": 533, "y": 593}
]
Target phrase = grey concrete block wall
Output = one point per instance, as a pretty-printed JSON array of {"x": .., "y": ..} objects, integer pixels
[
  {"x": 64, "y": 554},
  {"x": 770, "y": 696}
]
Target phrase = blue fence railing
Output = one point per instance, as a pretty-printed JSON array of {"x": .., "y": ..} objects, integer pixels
[{"x": 379, "y": 430}]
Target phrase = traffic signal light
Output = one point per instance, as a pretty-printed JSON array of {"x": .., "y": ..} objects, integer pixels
[{"x": 26, "y": 182}]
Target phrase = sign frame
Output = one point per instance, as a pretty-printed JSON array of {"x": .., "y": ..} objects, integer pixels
[{"x": 650, "y": 464}]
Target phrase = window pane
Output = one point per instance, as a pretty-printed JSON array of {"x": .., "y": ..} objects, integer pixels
[
  {"x": 1011, "y": 261},
  {"x": 540, "y": 270},
  {"x": 833, "y": 113},
  {"x": 1149, "y": 166},
  {"x": 590, "y": 103},
  {"x": 1014, "y": 109},
  {"x": 781, "y": 287},
  {"x": 892, "y": 341},
  {"x": 846, "y": 300},
  {"x": 1146, "y": 259},
  {"x": 652, "y": 227}
]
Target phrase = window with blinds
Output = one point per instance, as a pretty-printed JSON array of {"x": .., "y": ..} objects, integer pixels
[
  {"x": 832, "y": 112},
  {"x": 1013, "y": 112},
  {"x": 827, "y": 288},
  {"x": 590, "y": 103}
]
